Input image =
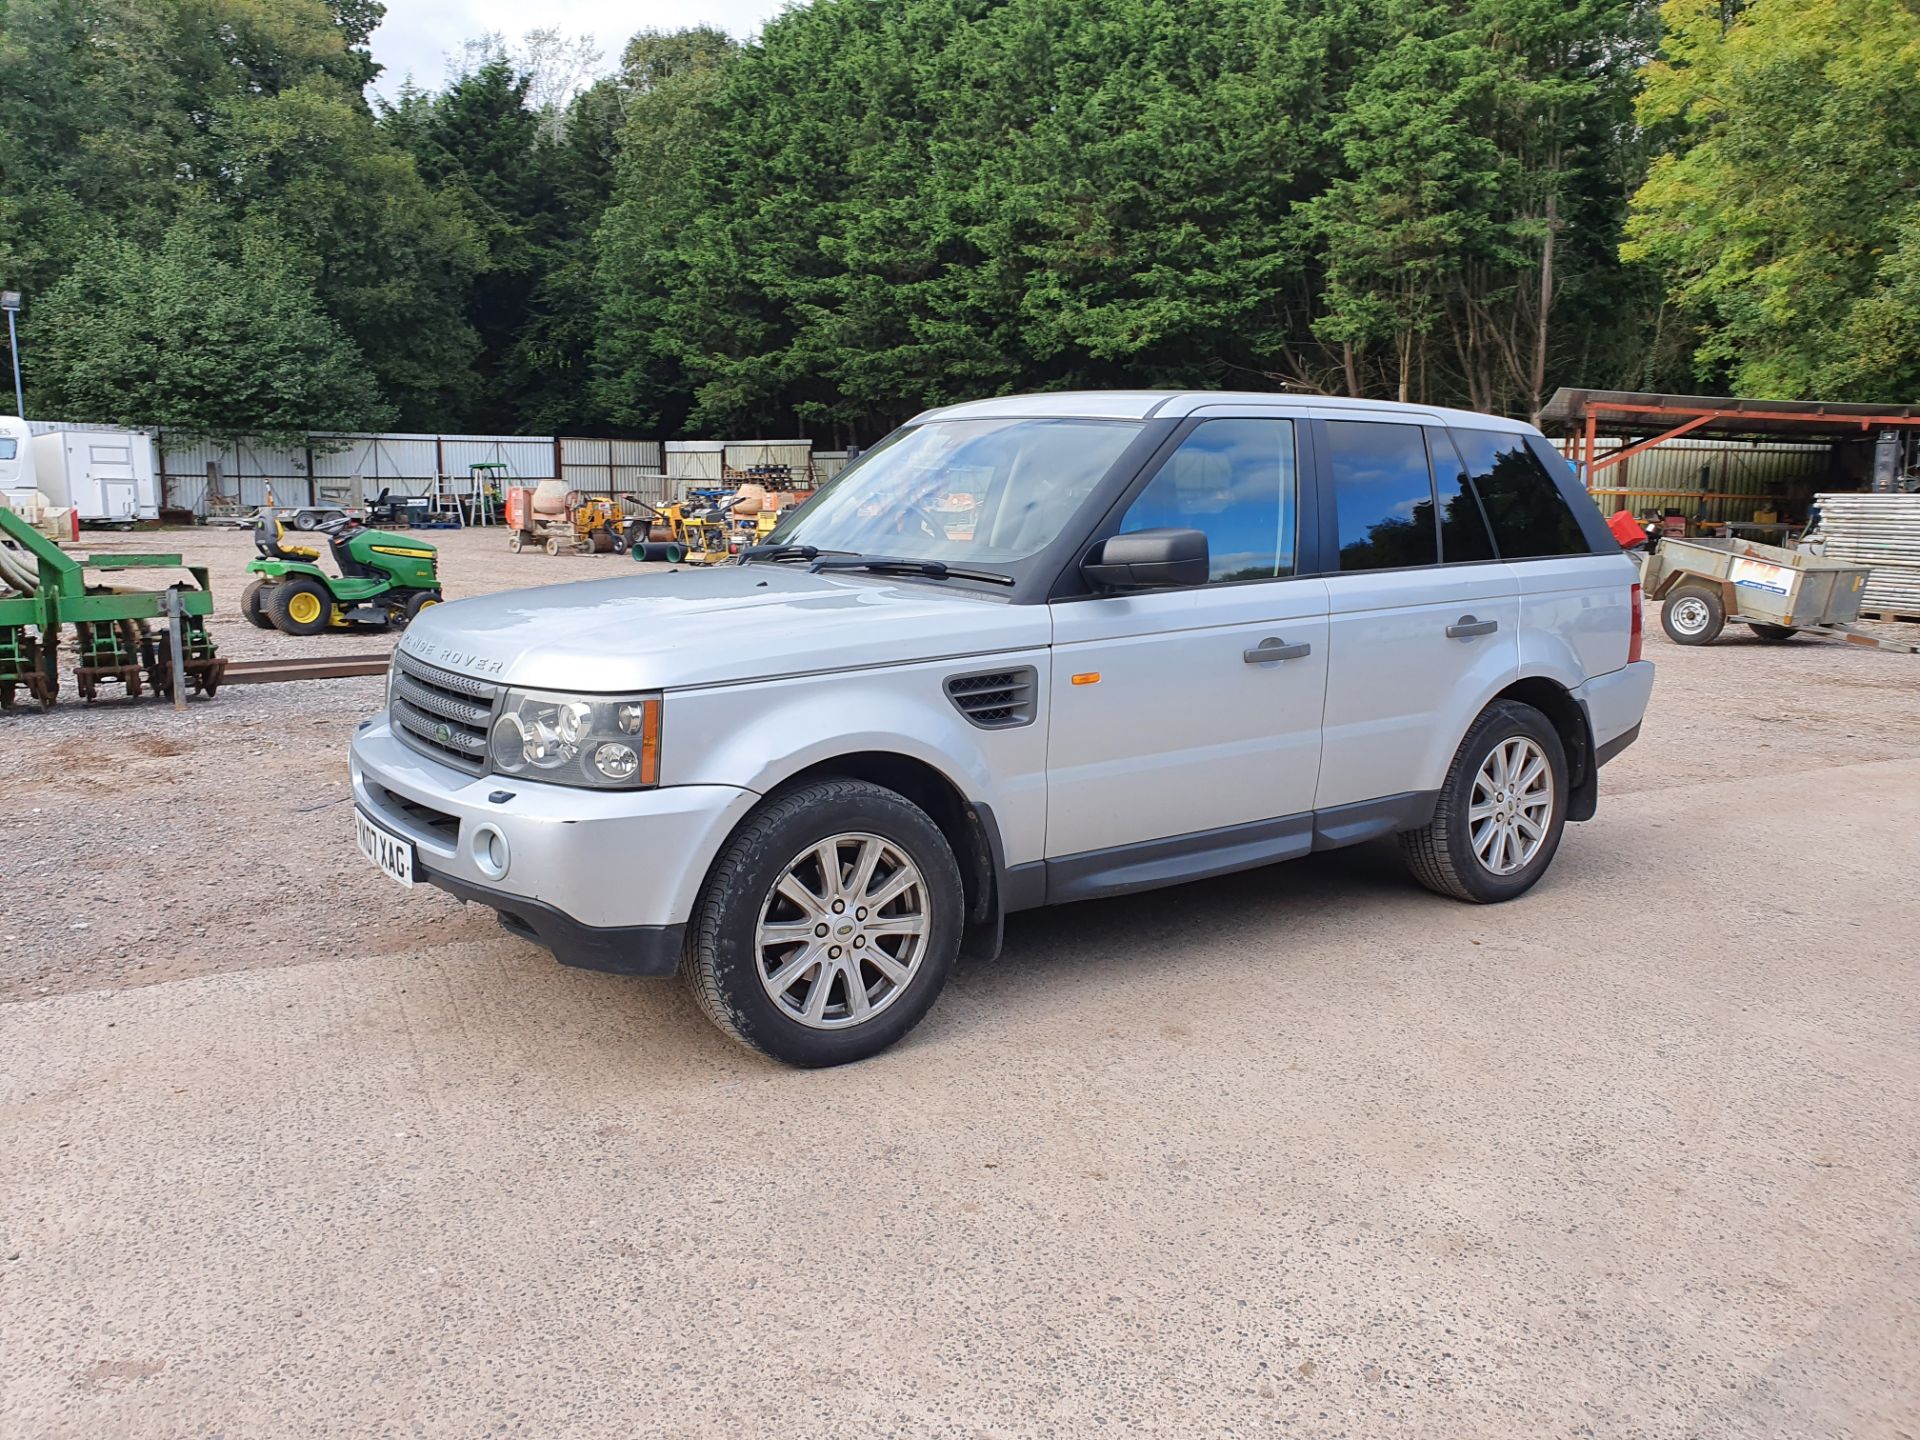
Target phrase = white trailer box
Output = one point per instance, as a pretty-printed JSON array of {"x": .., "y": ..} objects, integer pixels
[{"x": 106, "y": 475}]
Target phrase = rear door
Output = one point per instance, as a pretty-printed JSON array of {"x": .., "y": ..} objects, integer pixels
[
  {"x": 1165, "y": 719},
  {"x": 1576, "y": 591},
  {"x": 1423, "y": 620}
]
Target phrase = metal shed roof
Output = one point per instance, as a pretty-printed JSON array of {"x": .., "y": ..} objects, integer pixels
[{"x": 1719, "y": 417}]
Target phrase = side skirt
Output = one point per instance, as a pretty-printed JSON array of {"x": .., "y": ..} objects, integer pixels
[{"x": 1150, "y": 864}]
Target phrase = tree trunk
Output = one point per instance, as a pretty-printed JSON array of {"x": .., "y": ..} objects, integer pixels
[{"x": 1537, "y": 380}]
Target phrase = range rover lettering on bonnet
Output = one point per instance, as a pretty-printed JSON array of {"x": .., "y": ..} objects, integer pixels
[{"x": 449, "y": 658}]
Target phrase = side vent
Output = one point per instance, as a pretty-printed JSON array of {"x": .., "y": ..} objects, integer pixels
[{"x": 994, "y": 699}]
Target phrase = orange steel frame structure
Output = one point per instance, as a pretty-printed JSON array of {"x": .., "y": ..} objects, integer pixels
[{"x": 1692, "y": 418}]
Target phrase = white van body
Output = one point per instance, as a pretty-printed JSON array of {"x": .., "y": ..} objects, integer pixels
[
  {"x": 16, "y": 462},
  {"x": 107, "y": 475}
]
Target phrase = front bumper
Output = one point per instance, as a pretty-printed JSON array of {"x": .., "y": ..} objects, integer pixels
[{"x": 604, "y": 879}]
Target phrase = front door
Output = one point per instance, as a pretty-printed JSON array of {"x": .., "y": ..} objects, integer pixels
[{"x": 1179, "y": 712}]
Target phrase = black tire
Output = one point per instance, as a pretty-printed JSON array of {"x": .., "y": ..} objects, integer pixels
[
  {"x": 1441, "y": 853},
  {"x": 1773, "y": 634},
  {"x": 408, "y": 610},
  {"x": 722, "y": 960},
  {"x": 253, "y": 603},
  {"x": 1678, "y": 615},
  {"x": 287, "y": 597}
]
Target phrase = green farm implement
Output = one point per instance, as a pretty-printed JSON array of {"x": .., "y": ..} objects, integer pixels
[{"x": 44, "y": 590}]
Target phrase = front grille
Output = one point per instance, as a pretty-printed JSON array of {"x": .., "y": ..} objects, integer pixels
[
  {"x": 441, "y": 714},
  {"x": 994, "y": 699}
]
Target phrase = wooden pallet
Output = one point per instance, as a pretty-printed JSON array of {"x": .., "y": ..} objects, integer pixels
[{"x": 1901, "y": 616}]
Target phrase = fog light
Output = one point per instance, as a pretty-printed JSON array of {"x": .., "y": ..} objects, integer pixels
[{"x": 489, "y": 850}]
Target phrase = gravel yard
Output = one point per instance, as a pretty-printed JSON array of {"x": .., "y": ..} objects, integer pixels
[
  {"x": 145, "y": 845},
  {"x": 1303, "y": 1151}
]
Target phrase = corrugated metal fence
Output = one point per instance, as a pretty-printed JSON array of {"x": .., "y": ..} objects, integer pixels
[
  {"x": 1713, "y": 479},
  {"x": 617, "y": 467},
  {"x": 348, "y": 469}
]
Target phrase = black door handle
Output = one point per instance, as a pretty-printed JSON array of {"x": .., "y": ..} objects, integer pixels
[
  {"x": 1467, "y": 626},
  {"x": 1272, "y": 649}
]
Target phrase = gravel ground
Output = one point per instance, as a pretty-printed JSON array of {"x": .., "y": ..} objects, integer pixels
[
  {"x": 144, "y": 845},
  {"x": 1304, "y": 1151}
]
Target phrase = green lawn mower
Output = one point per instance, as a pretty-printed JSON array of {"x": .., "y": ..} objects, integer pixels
[{"x": 385, "y": 579}]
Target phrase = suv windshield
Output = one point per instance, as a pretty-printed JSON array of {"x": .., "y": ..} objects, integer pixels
[{"x": 979, "y": 492}]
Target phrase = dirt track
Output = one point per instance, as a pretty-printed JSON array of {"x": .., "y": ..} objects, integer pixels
[{"x": 1305, "y": 1151}]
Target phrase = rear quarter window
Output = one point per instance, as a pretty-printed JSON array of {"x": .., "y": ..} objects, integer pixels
[{"x": 1529, "y": 516}]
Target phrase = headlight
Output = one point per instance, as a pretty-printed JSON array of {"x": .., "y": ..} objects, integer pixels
[{"x": 608, "y": 743}]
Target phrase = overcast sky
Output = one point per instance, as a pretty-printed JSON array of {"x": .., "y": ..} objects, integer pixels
[{"x": 419, "y": 35}]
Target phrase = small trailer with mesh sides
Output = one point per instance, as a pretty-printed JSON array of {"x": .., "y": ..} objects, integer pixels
[{"x": 1705, "y": 585}]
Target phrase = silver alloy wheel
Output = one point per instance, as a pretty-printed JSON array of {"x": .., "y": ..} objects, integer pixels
[
  {"x": 843, "y": 931},
  {"x": 1512, "y": 805},
  {"x": 1690, "y": 614}
]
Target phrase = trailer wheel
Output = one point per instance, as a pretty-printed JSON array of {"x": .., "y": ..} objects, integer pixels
[
  {"x": 1693, "y": 615},
  {"x": 1773, "y": 634},
  {"x": 253, "y": 603},
  {"x": 553, "y": 545},
  {"x": 516, "y": 541}
]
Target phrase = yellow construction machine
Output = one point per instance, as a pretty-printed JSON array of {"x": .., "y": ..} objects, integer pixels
[{"x": 679, "y": 534}]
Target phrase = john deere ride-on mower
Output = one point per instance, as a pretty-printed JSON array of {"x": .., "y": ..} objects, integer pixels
[{"x": 385, "y": 579}]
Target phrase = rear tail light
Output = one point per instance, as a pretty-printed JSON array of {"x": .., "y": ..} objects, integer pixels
[{"x": 1639, "y": 627}]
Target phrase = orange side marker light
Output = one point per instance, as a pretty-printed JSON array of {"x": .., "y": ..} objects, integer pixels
[{"x": 1087, "y": 677}]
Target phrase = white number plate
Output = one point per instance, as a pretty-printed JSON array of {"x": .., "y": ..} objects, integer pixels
[{"x": 393, "y": 855}]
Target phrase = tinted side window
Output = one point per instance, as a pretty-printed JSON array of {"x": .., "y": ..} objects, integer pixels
[
  {"x": 1234, "y": 480},
  {"x": 1529, "y": 515},
  {"x": 1463, "y": 529},
  {"x": 1383, "y": 495}
]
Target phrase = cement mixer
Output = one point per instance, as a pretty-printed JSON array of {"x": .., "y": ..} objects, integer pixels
[{"x": 562, "y": 520}]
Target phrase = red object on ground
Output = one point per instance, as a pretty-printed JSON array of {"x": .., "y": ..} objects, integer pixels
[
  {"x": 519, "y": 508},
  {"x": 1627, "y": 530}
]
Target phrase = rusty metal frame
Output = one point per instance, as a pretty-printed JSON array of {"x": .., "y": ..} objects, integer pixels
[{"x": 1693, "y": 418}]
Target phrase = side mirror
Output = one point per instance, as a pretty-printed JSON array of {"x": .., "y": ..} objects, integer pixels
[{"x": 1148, "y": 559}]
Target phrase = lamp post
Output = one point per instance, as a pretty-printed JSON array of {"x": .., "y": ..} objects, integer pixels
[{"x": 10, "y": 302}]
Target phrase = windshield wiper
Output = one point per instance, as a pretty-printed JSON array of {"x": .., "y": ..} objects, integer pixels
[
  {"x": 778, "y": 552},
  {"x": 906, "y": 565}
]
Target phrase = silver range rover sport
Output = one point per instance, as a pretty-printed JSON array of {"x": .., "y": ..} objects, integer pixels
[{"x": 1026, "y": 651}]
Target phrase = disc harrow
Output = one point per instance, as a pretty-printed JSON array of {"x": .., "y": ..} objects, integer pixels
[{"x": 119, "y": 636}]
